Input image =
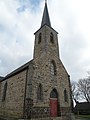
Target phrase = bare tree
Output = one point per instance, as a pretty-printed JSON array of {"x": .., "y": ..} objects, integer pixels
[
  {"x": 83, "y": 87},
  {"x": 75, "y": 93}
]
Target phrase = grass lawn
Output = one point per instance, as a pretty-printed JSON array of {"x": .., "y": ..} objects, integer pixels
[{"x": 84, "y": 116}]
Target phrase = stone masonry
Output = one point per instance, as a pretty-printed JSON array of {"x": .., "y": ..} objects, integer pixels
[
  {"x": 44, "y": 53},
  {"x": 14, "y": 103}
]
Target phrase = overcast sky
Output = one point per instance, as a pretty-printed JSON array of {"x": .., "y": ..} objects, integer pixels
[{"x": 19, "y": 19}]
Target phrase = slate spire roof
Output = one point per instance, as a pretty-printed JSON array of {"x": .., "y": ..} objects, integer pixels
[{"x": 45, "y": 18}]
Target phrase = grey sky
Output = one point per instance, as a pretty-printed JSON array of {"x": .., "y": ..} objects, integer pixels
[{"x": 19, "y": 19}]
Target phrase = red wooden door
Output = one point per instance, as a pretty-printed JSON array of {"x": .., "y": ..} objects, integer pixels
[{"x": 53, "y": 107}]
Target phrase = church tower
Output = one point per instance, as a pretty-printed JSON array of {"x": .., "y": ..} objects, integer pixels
[
  {"x": 48, "y": 92},
  {"x": 46, "y": 42}
]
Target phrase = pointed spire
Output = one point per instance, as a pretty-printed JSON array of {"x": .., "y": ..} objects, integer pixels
[{"x": 45, "y": 18}]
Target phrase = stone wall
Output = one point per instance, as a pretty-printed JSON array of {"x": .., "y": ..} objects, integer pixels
[
  {"x": 13, "y": 104},
  {"x": 60, "y": 82},
  {"x": 39, "y": 72},
  {"x": 44, "y": 53}
]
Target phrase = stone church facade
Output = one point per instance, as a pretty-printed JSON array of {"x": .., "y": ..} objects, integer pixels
[{"x": 40, "y": 88}]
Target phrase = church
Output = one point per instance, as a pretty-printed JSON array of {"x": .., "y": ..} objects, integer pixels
[{"x": 40, "y": 88}]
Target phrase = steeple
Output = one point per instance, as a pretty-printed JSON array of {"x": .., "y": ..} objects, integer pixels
[
  {"x": 46, "y": 42},
  {"x": 45, "y": 18}
]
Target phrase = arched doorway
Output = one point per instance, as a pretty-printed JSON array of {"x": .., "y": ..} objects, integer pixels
[{"x": 54, "y": 103}]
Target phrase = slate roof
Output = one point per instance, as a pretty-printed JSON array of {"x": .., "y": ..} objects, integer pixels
[
  {"x": 83, "y": 106},
  {"x": 45, "y": 18},
  {"x": 23, "y": 67},
  {"x": 1, "y": 78}
]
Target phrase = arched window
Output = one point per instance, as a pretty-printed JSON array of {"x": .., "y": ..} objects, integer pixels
[
  {"x": 39, "y": 38},
  {"x": 65, "y": 96},
  {"x": 40, "y": 92},
  {"x": 54, "y": 93},
  {"x": 51, "y": 38},
  {"x": 4, "y": 92},
  {"x": 53, "y": 68}
]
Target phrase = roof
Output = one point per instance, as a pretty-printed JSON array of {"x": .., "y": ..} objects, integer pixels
[
  {"x": 83, "y": 106},
  {"x": 45, "y": 25},
  {"x": 1, "y": 78},
  {"x": 23, "y": 67},
  {"x": 45, "y": 18}
]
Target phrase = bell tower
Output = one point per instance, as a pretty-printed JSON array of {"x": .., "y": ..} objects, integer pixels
[{"x": 46, "y": 41}]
